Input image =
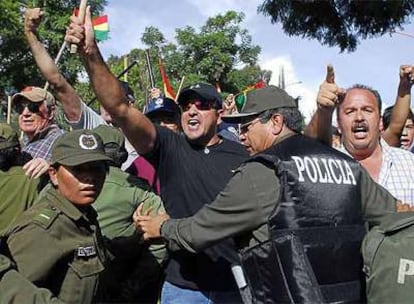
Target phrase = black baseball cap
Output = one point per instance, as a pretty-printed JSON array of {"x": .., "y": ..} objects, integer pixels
[{"x": 204, "y": 91}]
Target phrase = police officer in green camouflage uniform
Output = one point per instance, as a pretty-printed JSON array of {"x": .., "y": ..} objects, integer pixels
[
  {"x": 57, "y": 244},
  {"x": 135, "y": 271},
  {"x": 17, "y": 191}
]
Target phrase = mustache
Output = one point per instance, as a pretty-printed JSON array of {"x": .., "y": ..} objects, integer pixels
[{"x": 360, "y": 126}]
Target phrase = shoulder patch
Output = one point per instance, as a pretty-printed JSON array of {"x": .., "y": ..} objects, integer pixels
[{"x": 46, "y": 216}]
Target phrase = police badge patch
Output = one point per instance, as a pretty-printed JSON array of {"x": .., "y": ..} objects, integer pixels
[
  {"x": 88, "y": 142},
  {"x": 87, "y": 251}
]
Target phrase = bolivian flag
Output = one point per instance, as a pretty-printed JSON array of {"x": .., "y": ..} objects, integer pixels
[{"x": 101, "y": 27}]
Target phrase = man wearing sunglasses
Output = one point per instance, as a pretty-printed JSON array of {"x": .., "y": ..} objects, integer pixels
[
  {"x": 192, "y": 168},
  {"x": 296, "y": 210},
  {"x": 36, "y": 109}
]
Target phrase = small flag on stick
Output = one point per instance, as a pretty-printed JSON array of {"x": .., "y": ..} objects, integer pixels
[{"x": 101, "y": 28}]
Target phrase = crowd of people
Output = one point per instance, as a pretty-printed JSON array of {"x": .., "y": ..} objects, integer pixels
[{"x": 192, "y": 200}]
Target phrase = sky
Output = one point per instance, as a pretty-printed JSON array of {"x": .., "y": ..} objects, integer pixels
[{"x": 375, "y": 63}]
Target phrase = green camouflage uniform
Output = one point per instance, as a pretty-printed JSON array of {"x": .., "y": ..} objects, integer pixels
[
  {"x": 56, "y": 244},
  {"x": 14, "y": 288},
  {"x": 18, "y": 193},
  {"x": 59, "y": 247},
  {"x": 135, "y": 264}
]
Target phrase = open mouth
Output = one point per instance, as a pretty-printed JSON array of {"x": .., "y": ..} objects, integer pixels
[
  {"x": 360, "y": 130},
  {"x": 193, "y": 123}
]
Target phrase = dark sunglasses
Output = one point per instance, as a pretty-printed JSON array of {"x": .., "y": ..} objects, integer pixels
[
  {"x": 202, "y": 105},
  {"x": 245, "y": 127},
  {"x": 31, "y": 106}
]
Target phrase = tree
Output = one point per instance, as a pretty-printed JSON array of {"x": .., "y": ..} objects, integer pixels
[
  {"x": 17, "y": 67},
  {"x": 338, "y": 22},
  {"x": 220, "y": 46},
  {"x": 221, "y": 52}
]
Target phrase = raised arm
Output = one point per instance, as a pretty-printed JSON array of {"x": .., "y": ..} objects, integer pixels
[
  {"x": 328, "y": 96},
  {"x": 401, "y": 107},
  {"x": 64, "y": 91},
  {"x": 138, "y": 129}
]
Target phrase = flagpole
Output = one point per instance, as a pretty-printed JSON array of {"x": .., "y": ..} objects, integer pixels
[
  {"x": 125, "y": 66},
  {"x": 82, "y": 11},
  {"x": 9, "y": 99},
  {"x": 179, "y": 88}
]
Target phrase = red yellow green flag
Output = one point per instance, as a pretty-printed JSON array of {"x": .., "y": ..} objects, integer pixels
[
  {"x": 241, "y": 97},
  {"x": 101, "y": 27}
]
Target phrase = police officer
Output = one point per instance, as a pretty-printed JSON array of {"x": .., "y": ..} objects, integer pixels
[
  {"x": 17, "y": 191},
  {"x": 134, "y": 275},
  {"x": 296, "y": 210},
  {"x": 57, "y": 244}
]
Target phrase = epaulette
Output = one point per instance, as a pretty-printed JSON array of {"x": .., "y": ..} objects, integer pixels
[{"x": 46, "y": 216}]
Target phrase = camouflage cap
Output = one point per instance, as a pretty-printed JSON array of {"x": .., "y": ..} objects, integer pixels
[
  {"x": 78, "y": 147},
  {"x": 260, "y": 100},
  {"x": 110, "y": 134},
  {"x": 34, "y": 94},
  {"x": 8, "y": 136}
]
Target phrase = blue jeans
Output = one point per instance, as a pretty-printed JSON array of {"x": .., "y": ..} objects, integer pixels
[{"x": 172, "y": 294}]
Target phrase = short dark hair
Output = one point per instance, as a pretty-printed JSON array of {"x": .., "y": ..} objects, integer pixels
[
  {"x": 364, "y": 87},
  {"x": 386, "y": 116},
  {"x": 292, "y": 117}
]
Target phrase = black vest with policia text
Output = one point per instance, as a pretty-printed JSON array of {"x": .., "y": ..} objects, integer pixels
[{"x": 313, "y": 251}]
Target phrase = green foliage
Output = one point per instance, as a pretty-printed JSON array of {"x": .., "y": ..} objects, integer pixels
[
  {"x": 220, "y": 52},
  {"x": 152, "y": 37},
  {"x": 17, "y": 67},
  {"x": 338, "y": 22}
]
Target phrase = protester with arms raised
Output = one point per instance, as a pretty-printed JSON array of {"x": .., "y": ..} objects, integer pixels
[
  {"x": 192, "y": 168},
  {"x": 358, "y": 116}
]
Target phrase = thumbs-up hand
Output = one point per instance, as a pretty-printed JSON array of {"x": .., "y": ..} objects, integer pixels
[{"x": 329, "y": 93}]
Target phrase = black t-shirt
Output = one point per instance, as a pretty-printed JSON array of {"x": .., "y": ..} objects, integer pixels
[{"x": 190, "y": 177}]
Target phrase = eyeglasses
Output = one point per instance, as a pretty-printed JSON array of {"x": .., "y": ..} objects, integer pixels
[
  {"x": 202, "y": 105},
  {"x": 244, "y": 128},
  {"x": 33, "y": 107}
]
